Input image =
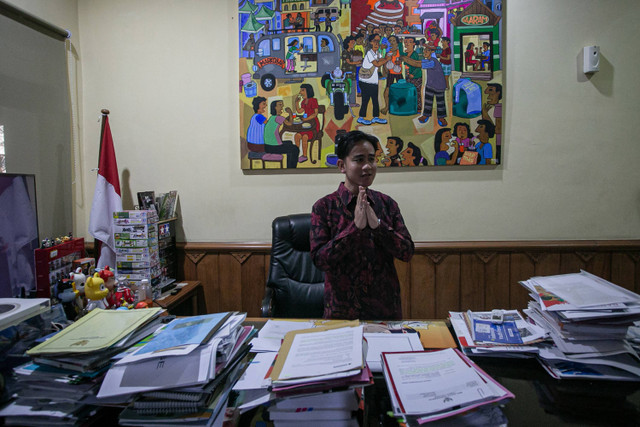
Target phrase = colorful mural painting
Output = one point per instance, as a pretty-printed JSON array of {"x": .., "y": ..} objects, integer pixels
[{"x": 424, "y": 76}]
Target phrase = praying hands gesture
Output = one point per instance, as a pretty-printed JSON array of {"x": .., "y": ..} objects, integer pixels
[{"x": 364, "y": 214}]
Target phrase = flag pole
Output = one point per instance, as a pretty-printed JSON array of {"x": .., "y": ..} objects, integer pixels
[{"x": 97, "y": 244}]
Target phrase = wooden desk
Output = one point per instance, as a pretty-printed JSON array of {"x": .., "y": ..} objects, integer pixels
[{"x": 188, "y": 302}]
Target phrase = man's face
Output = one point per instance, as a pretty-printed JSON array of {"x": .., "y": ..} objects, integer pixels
[
  {"x": 375, "y": 43},
  {"x": 359, "y": 166},
  {"x": 262, "y": 107},
  {"x": 481, "y": 130},
  {"x": 492, "y": 95},
  {"x": 392, "y": 147},
  {"x": 279, "y": 107},
  {"x": 409, "y": 45}
]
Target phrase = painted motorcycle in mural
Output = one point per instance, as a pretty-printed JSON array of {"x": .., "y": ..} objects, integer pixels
[{"x": 338, "y": 86}]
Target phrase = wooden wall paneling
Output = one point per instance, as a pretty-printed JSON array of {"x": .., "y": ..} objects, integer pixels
[
  {"x": 497, "y": 277},
  {"x": 207, "y": 273},
  {"x": 252, "y": 288},
  {"x": 624, "y": 270},
  {"x": 447, "y": 285},
  {"x": 472, "y": 282},
  {"x": 521, "y": 267},
  {"x": 547, "y": 263},
  {"x": 230, "y": 278},
  {"x": 422, "y": 296},
  {"x": 404, "y": 277},
  {"x": 571, "y": 262}
]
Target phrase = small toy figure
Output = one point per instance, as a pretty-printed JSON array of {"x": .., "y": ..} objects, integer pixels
[
  {"x": 67, "y": 297},
  {"x": 123, "y": 297},
  {"x": 96, "y": 292},
  {"x": 110, "y": 283},
  {"x": 78, "y": 279}
]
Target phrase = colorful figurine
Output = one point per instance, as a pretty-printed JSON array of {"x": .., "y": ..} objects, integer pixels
[
  {"x": 96, "y": 292},
  {"x": 110, "y": 283},
  {"x": 123, "y": 297}
]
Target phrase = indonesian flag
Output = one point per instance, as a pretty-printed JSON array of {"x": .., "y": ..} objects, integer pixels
[{"x": 107, "y": 199}]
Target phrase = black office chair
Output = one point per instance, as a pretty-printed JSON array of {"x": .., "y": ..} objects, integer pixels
[{"x": 295, "y": 287}]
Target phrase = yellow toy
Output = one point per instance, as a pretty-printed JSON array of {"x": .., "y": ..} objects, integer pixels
[{"x": 96, "y": 292}]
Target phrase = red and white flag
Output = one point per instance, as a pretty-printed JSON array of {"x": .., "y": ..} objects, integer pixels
[{"x": 107, "y": 199}]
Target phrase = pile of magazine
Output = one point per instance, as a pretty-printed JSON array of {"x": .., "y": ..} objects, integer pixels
[
  {"x": 182, "y": 374},
  {"x": 59, "y": 385},
  {"x": 497, "y": 333},
  {"x": 588, "y": 319}
]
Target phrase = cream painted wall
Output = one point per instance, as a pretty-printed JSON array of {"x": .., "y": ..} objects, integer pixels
[{"x": 167, "y": 70}]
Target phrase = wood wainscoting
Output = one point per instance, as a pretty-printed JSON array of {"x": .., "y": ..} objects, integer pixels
[{"x": 442, "y": 276}]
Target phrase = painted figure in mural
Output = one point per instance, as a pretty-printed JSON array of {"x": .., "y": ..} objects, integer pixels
[
  {"x": 368, "y": 78},
  {"x": 250, "y": 46},
  {"x": 464, "y": 137},
  {"x": 433, "y": 33},
  {"x": 351, "y": 60},
  {"x": 255, "y": 131},
  {"x": 316, "y": 22},
  {"x": 445, "y": 147},
  {"x": 287, "y": 24},
  {"x": 412, "y": 156},
  {"x": 356, "y": 234},
  {"x": 389, "y": 4},
  {"x": 379, "y": 154},
  {"x": 485, "y": 56},
  {"x": 291, "y": 55},
  {"x": 394, "y": 147},
  {"x": 470, "y": 56},
  {"x": 298, "y": 24},
  {"x": 413, "y": 74},
  {"x": 485, "y": 130},
  {"x": 445, "y": 59},
  {"x": 307, "y": 106},
  {"x": 324, "y": 45},
  {"x": 327, "y": 22},
  {"x": 434, "y": 86},
  {"x": 272, "y": 141},
  {"x": 394, "y": 70},
  {"x": 492, "y": 111}
]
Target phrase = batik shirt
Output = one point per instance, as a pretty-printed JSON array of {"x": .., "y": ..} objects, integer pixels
[{"x": 360, "y": 276}]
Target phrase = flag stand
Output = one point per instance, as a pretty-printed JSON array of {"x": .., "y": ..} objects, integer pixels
[{"x": 97, "y": 244}]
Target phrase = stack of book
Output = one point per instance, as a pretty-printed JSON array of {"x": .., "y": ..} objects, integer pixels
[
  {"x": 60, "y": 384},
  {"x": 588, "y": 319},
  {"x": 312, "y": 365},
  {"x": 426, "y": 386},
  {"x": 182, "y": 374},
  {"x": 136, "y": 240}
]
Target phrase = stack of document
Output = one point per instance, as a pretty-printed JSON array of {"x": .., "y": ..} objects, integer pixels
[
  {"x": 321, "y": 409},
  {"x": 510, "y": 336},
  {"x": 588, "y": 318},
  {"x": 314, "y": 364},
  {"x": 59, "y": 385},
  {"x": 183, "y": 373},
  {"x": 427, "y": 386}
]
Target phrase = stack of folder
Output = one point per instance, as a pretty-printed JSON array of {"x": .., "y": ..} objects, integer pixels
[
  {"x": 311, "y": 366},
  {"x": 428, "y": 386},
  {"x": 184, "y": 373},
  {"x": 59, "y": 385},
  {"x": 588, "y": 319}
]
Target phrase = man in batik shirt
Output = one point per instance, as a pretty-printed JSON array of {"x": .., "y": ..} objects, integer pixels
[{"x": 356, "y": 233}]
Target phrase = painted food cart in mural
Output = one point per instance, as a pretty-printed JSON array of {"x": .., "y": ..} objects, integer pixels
[{"x": 425, "y": 78}]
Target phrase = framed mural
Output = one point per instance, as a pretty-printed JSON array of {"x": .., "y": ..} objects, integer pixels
[{"x": 424, "y": 76}]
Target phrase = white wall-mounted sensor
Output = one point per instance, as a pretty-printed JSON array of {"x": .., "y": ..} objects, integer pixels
[{"x": 591, "y": 59}]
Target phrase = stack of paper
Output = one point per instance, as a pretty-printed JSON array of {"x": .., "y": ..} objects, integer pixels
[
  {"x": 60, "y": 384},
  {"x": 427, "y": 386},
  {"x": 512, "y": 336},
  {"x": 183, "y": 373},
  {"x": 322, "y": 409},
  {"x": 314, "y": 363},
  {"x": 588, "y": 318}
]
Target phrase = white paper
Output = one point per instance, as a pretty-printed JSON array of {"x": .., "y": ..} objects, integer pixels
[
  {"x": 272, "y": 333},
  {"x": 323, "y": 353},
  {"x": 428, "y": 382},
  {"x": 379, "y": 342},
  {"x": 255, "y": 376}
]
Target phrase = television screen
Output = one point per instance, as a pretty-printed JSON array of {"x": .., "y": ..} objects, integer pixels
[{"x": 18, "y": 235}]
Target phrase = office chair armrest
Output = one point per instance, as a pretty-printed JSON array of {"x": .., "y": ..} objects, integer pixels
[{"x": 267, "y": 303}]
